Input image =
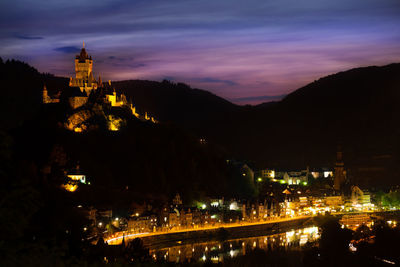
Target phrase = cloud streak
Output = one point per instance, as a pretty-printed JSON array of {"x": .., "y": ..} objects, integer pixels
[
  {"x": 24, "y": 37},
  {"x": 67, "y": 49}
]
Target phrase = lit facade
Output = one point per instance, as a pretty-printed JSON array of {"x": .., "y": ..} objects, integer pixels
[{"x": 267, "y": 173}]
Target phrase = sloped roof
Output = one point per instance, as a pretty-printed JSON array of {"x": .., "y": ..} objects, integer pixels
[{"x": 83, "y": 55}]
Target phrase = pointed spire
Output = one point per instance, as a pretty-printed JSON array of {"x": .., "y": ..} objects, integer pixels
[{"x": 83, "y": 45}]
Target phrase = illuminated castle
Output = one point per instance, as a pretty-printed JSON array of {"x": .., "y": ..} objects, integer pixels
[{"x": 81, "y": 87}]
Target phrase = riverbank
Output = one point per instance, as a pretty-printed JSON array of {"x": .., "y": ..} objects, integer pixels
[
  {"x": 235, "y": 230},
  {"x": 222, "y": 233}
]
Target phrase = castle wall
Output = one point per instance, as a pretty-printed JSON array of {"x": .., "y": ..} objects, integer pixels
[{"x": 112, "y": 99}]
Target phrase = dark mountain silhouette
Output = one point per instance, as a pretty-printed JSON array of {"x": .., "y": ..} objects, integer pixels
[
  {"x": 196, "y": 110},
  {"x": 176, "y": 102},
  {"x": 141, "y": 161},
  {"x": 357, "y": 109}
]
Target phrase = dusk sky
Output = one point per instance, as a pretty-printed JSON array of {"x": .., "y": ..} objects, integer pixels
[{"x": 247, "y": 51}]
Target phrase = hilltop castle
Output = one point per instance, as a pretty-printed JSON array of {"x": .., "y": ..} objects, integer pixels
[{"x": 81, "y": 87}]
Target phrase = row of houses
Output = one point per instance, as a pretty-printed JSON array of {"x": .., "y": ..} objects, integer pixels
[
  {"x": 218, "y": 211},
  {"x": 292, "y": 202},
  {"x": 293, "y": 177},
  {"x": 170, "y": 219}
]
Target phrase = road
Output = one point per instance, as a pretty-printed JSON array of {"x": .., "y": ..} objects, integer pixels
[{"x": 117, "y": 237}]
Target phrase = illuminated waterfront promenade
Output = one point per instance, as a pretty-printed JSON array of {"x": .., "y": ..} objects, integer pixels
[{"x": 116, "y": 238}]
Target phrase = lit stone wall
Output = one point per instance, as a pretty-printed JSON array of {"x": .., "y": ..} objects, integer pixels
[
  {"x": 83, "y": 69},
  {"x": 77, "y": 101},
  {"x": 112, "y": 99}
]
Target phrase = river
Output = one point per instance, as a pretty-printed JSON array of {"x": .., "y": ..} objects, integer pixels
[{"x": 220, "y": 250}]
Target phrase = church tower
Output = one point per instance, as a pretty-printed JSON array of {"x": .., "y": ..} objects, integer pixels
[
  {"x": 340, "y": 173},
  {"x": 84, "y": 72}
]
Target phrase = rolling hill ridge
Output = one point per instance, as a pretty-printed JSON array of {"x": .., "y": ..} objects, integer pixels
[{"x": 358, "y": 109}]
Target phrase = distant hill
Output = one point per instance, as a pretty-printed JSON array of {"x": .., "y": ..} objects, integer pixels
[
  {"x": 174, "y": 101},
  {"x": 195, "y": 109}
]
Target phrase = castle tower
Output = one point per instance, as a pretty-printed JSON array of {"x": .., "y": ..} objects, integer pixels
[
  {"x": 83, "y": 65},
  {"x": 340, "y": 173},
  {"x": 84, "y": 72}
]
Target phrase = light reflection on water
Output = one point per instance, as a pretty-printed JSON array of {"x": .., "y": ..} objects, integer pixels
[{"x": 217, "y": 251}]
